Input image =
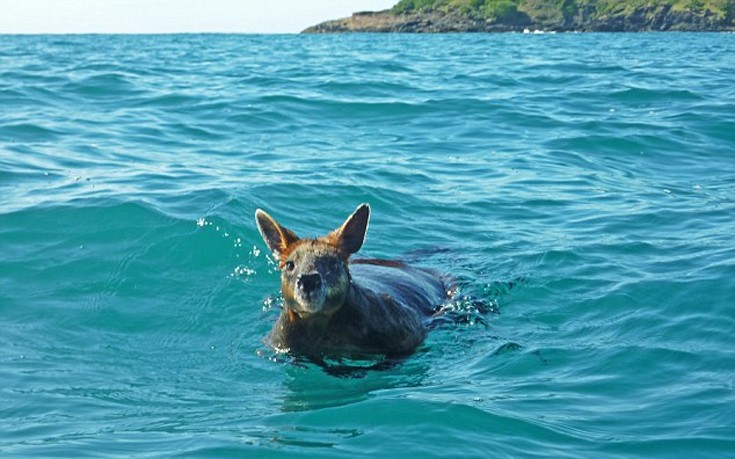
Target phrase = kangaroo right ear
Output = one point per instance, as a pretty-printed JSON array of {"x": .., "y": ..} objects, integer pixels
[
  {"x": 276, "y": 237},
  {"x": 350, "y": 236}
]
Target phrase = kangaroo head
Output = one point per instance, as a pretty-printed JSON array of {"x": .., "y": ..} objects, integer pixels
[{"x": 315, "y": 278}]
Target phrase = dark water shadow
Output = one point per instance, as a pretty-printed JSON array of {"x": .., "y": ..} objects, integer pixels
[
  {"x": 357, "y": 368},
  {"x": 337, "y": 381}
]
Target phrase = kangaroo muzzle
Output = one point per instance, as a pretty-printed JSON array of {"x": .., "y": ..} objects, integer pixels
[
  {"x": 309, "y": 283},
  {"x": 311, "y": 293}
]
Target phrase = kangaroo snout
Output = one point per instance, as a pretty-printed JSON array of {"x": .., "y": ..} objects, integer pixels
[{"x": 309, "y": 283}]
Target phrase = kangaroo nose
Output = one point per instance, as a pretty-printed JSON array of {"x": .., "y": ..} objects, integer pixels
[{"x": 309, "y": 282}]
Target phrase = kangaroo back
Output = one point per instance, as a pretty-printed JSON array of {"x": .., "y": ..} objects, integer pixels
[{"x": 415, "y": 288}]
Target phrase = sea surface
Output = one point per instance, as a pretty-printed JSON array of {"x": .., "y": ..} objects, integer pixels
[{"x": 579, "y": 189}]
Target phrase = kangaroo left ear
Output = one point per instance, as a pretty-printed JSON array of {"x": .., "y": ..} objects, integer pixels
[
  {"x": 350, "y": 236},
  {"x": 276, "y": 237}
]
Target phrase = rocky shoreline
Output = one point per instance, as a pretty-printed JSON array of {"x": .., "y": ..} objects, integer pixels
[{"x": 644, "y": 19}]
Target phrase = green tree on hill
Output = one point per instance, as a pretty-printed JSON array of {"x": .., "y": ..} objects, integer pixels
[{"x": 722, "y": 10}]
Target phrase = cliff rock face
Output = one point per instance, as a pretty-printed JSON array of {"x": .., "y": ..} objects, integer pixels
[
  {"x": 583, "y": 18},
  {"x": 430, "y": 22}
]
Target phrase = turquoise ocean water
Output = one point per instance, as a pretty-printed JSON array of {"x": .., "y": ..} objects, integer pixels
[{"x": 580, "y": 188}]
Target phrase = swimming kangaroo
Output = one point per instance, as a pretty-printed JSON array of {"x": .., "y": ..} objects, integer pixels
[{"x": 334, "y": 305}]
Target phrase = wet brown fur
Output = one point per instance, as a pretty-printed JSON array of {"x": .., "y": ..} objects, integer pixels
[
  {"x": 361, "y": 306},
  {"x": 288, "y": 250}
]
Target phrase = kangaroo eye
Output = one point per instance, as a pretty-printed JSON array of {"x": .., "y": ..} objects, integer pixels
[{"x": 289, "y": 265}]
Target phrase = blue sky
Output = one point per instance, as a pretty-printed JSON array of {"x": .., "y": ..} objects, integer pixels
[{"x": 168, "y": 16}]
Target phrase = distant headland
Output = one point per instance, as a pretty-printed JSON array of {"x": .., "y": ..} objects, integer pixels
[{"x": 437, "y": 16}]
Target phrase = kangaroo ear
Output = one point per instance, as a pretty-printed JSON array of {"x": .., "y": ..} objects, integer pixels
[
  {"x": 350, "y": 236},
  {"x": 276, "y": 237}
]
